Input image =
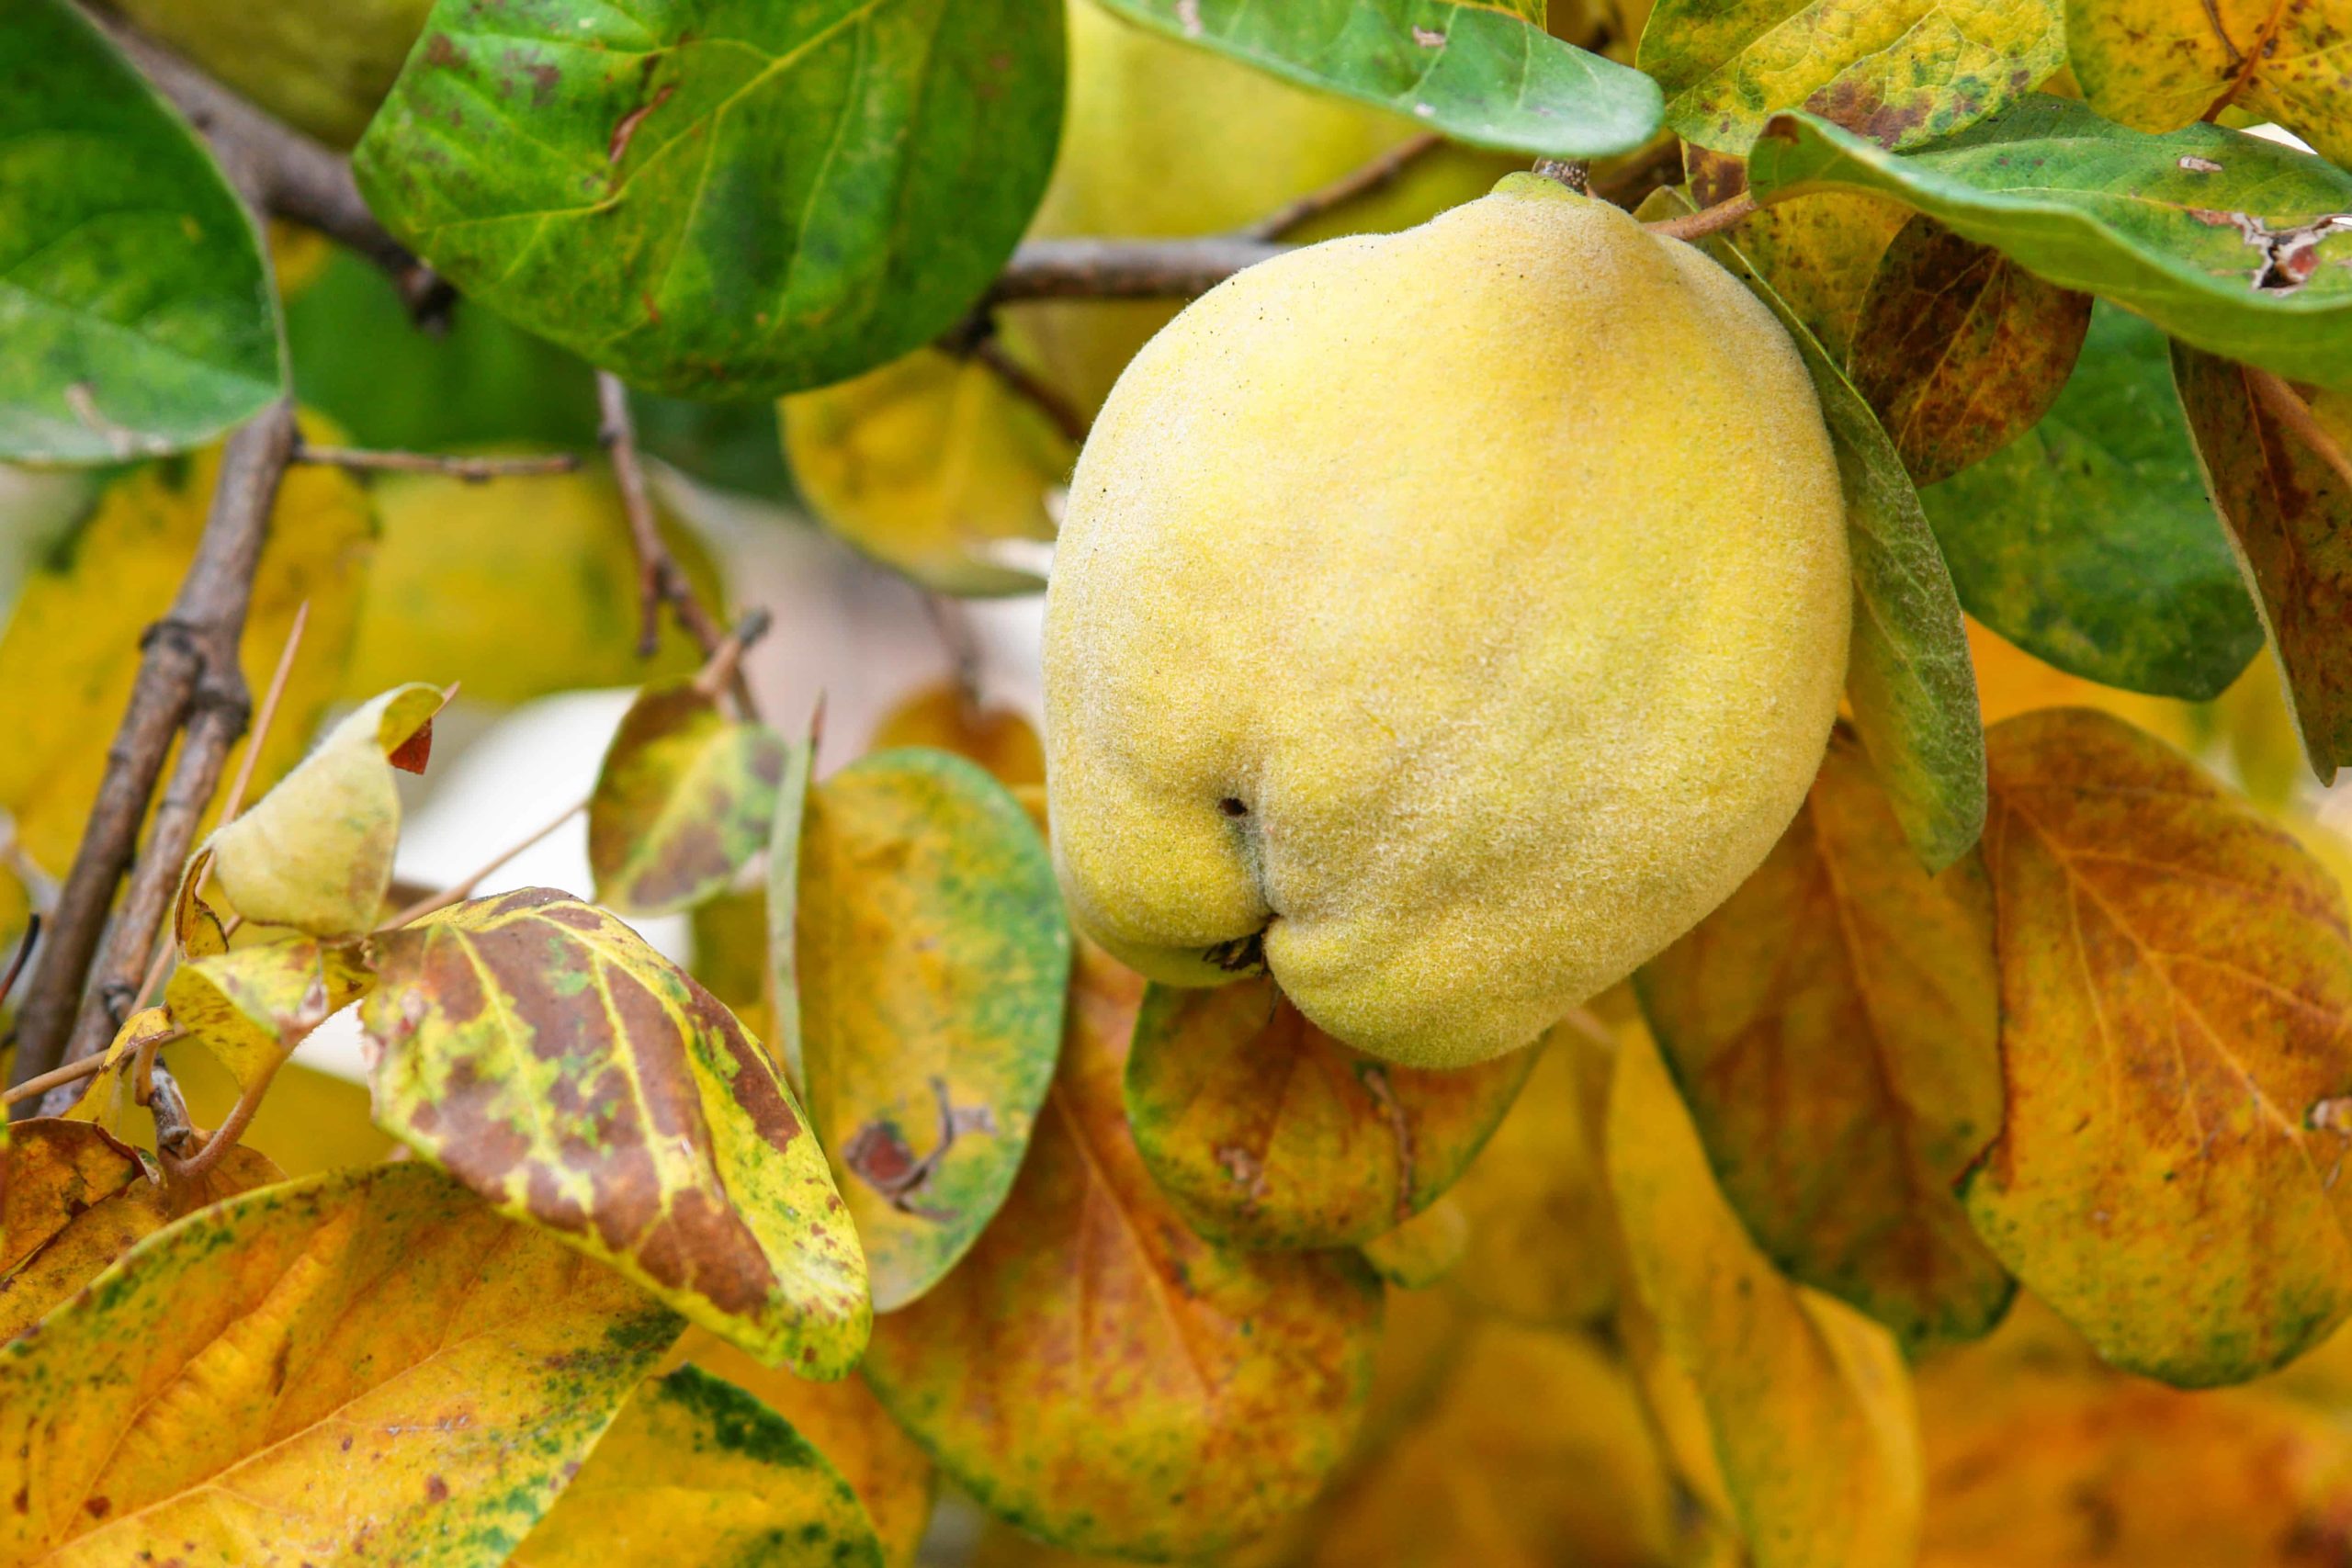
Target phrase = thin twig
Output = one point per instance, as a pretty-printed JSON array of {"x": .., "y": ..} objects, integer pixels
[
  {"x": 174, "y": 1131},
  {"x": 282, "y": 171},
  {"x": 187, "y": 672},
  {"x": 1125, "y": 269},
  {"x": 1707, "y": 219},
  {"x": 963, "y": 647},
  {"x": 24, "y": 950},
  {"x": 473, "y": 470},
  {"x": 724, "y": 664},
  {"x": 1063, "y": 414},
  {"x": 224, "y": 1136},
  {"x": 1360, "y": 181},
  {"x": 461, "y": 889},
  {"x": 659, "y": 579},
  {"x": 74, "y": 1072},
  {"x": 233, "y": 804},
  {"x": 2281, "y": 399}
]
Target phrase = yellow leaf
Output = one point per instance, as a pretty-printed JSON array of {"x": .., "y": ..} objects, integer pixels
[
  {"x": 367, "y": 1364},
  {"x": 696, "y": 1471},
  {"x": 71, "y": 649},
  {"x": 539, "y": 1051},
  {"x": 1535, "y": 1450},
  {"x": 73, "y": 1199},
  {"x": 251, "y": 1007},
  {"x": 1819, "y": 252},
  {"x": 944, "y": 718},
  {"x": 684, "y": 800},
  {"x": 1542, "y": 1234},
  {"x": 1808, "y": 1402},
  {"x": 457, "y": 561},
  {"x": 1424, "y": 1249},
  {"x": 316, "y": 852},
  {"x": 108, "y": 1096},
  {"x": 845, "y": 1423},
  {"x": 925, "y": 465},
  {"x": 2038, "y": 1458},
  {"x": 1091, "y": 1362},
  {"x": 2177, "y": 1045},
  {"x": 325, "y": 71},
  {"x": 2160, "y": 64},
  {"x": 1833, "y": 1028}
]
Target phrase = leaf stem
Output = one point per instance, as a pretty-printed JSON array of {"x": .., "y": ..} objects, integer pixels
[{"x": 1707, "y": 220}]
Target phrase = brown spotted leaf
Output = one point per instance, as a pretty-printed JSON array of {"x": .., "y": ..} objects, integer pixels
[
  {"x": 73, "y": 1199},
  {"x": 932, "y": 960},
  {"x": 2161, "y": 64},
  {"x": 1098, "y": 1374},
  {"x": 316, "y": 851},
  {"x": 1959, "y": 349},
  {"x": 368, "y": 1366},
  {"x": 1806, "y": 1402},
  {"x": 1833, "y": 1029},
  {"x": 251, "y": 1006},
  {"x": 1899, "y": 72},
  {"x": 684, "y": 800},
  {"x": 2278, "y": 462},
  {"x": 540, "y": 1052},
  {"x": 1264, "y": 1131},
  {"x": 2176, "y": 1051}
]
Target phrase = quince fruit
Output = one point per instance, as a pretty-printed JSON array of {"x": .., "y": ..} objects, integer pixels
[{"x": 1445, "y": 621}]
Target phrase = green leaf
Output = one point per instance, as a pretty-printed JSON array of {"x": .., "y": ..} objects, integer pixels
[
  {"x": 2088, "y": 542},
  {"x": 722, "y": 199},
  {"x": 2283, "y": 486},
  {"x": 932, "y": 960},
  {"x": 1832, "y": 1029},
  {"x": 1908, "y": 676},
  {"x": 541, "y": 1052},
  {"x": 683, "y": 802},
  {"x": 137, "y": 312},
  {"x": 1264, "y": 1131},
  {"x": 1960, "y": 349},
  {"x": 1474, "y": 73},
  {"x": 695, "y": 1471},
  {"x": 2219, "y": 238},
  {"x": 1897, "y": 72},
  {"x": 366, "y": 1365}
]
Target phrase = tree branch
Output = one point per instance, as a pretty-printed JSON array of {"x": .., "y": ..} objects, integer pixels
[
  {"x": 1125, "y": 269},
  {"x": 281, "y": 171},
  {"x": 473, "y": 470},
  {"x": 187, "y": 672}
]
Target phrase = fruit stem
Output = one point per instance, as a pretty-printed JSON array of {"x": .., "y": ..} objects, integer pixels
[{"x": 1574, "y": 172}]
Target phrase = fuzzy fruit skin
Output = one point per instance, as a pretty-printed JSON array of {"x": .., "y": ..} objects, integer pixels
[{"x": 1497, "y": 571}]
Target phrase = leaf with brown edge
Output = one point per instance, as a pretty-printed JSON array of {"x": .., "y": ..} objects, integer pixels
[
  {"x": 2177, "y": 1050},
  {"x": 1959, "y": 349},
  {"x": 2036, "y": 1458},
  {"x": 890, "y": 1472},
  {"x": 365, "y": 1364},
  {"x": 2278, "y": 462},
  {"x": 683, "y": 801},
  {"x": 1833, "y": 1028},
  {"x": 932, "y": 959},
  {"x": 1100, "y": 1375},
  {"x": 251, "y": 1006},
  {"x": 2161, "y": 64},
  {"x": 316, "y": 851},
  {"x": 1264, "y": 1131},
  {"x": 696, "y": 1471},
  {"x": 541, "y": 1052},
  {"x": 73, "y": 1198},
  {"x": 1807, "y": 1402}
]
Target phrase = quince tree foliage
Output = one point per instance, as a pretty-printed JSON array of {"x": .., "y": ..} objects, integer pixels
[{"x": 1675, "y": 898}]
